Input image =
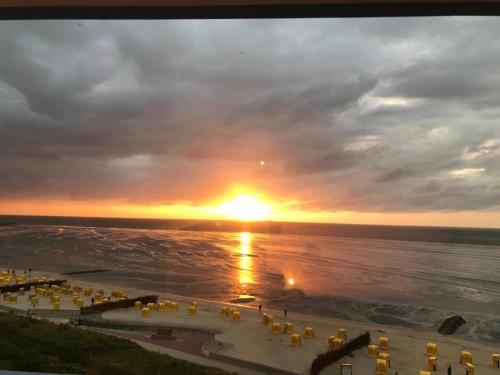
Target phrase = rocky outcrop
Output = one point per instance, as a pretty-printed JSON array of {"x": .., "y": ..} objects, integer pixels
[{"x": 451, "y": 324}]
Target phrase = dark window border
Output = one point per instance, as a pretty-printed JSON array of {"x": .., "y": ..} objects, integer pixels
[{"x": 283, "y": 10}]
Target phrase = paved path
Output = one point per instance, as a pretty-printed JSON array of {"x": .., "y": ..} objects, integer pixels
[
  {"x": 176, "y": 349},
  {"x": 191, "y": 345}
]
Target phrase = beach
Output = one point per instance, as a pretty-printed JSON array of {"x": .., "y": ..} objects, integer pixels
[
  {"x": 250, "y": 341},
  {"x": 415, "y": 284}
]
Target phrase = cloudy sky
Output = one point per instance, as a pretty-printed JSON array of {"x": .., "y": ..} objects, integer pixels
[{"x": 357, "y": 120}]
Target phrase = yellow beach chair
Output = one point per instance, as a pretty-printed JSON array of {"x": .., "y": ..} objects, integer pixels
[
  {"x": 432, "y": 349},
  {"x": 383, "y": 342},
  {"x": 465, "y": 357},
  {"x": 192, "y": 310},
  {"x": 495, "y": 360},
  {"x": 381, "y": 366},
  {"x": 342, "y": 334},
  {"x": 309, "y": 333},
  {"x": 373, "y": 351},
  {"x": 386, "y": 357},
  {"x": 432, "y": 363},
  {"x": 236, "y": 316},
  {"x": 296, "y": 340}
]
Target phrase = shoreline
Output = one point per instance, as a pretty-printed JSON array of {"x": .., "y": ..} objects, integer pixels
[{"x": 250, "y": 340}]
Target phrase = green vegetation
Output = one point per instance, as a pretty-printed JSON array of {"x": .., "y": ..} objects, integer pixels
[{"x": 28, "y": 344}]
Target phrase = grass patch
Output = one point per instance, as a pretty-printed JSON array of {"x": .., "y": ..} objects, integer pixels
[{"x": 28, "y": 344}]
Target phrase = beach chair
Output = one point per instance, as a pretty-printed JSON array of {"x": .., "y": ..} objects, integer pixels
[
  {"x": 224, "y": 311},
  {"x": 469, "y": 369},
  {"x": 87, "y": 292},
  {"x": 145, "y": 312},
  {"x": 151, "y": 306},
  {"x": 230, "y": 312},
  {"x": 465, "y": 357},
  {"x": 236, "y": 316},
  {"x": 79, "y": 303},
  {"x": 373, "y": 351},
  {"x": 432, "y": 349},
  {"x": 383, "y": 342},
  {"x": 192, "y": 311},
  {"x": 288, "y": 328},
  {"x": 424, "y": 372},
  {"x": 295, "y": 340},
  {"x": 161, "y": 306},
  {"x": 275, "y": 328},
  {"x": 12, "y": 299},
  {"x": 309, "y": 333},
  {"x": 138, "y": 305},
  {"x": 381, "y": 366},
  {"x": 21, "y": 291},
  {"x": 56, "y": 305},
  {"x": 342, "y": 334},
  {"x": 432, "y": 364},
  {"x": 174, "y": 306},
  {"x": 386, "y": 357},
  {"x": 268, "y": 319},
  {"x": 495, "y": 360}
]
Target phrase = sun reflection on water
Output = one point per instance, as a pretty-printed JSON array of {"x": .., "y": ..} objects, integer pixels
[{"x": 245, "y": 274}]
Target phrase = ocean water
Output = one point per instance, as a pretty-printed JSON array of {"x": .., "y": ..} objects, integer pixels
[{"x": 409, "y": 283}]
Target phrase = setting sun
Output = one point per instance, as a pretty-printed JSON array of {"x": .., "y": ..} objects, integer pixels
[{"x": 246, "y": 207}]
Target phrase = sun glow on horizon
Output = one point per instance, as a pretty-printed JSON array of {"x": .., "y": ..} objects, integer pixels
[{"x": 246, "y": 207}]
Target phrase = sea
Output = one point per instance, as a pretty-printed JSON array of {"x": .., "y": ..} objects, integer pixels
[{"x": 406, "y": 276}]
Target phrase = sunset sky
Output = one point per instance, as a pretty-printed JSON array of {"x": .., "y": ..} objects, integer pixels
[{"x": 383, "y": 121}]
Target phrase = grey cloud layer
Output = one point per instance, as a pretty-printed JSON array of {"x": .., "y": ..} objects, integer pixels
[{"x": 371, "y": 115}]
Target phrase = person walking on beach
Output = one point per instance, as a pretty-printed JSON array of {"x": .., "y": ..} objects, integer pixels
[
  {"x": 449, "y": 370},
  {"x": 260, "y": 308},
  {"x": 285, "y": 313}
]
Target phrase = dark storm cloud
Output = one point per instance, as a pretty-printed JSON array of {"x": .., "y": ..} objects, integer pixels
[{"x": 376, "y": 114}]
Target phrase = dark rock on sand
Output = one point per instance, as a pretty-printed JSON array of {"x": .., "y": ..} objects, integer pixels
[{"x": 451, "y": 324}]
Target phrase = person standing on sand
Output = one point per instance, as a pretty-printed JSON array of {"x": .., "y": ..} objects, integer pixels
[
  {"x": 260, "y": 308},
  {"x": 285, "y": 312},
  {"x": 449, "y": 370}
]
